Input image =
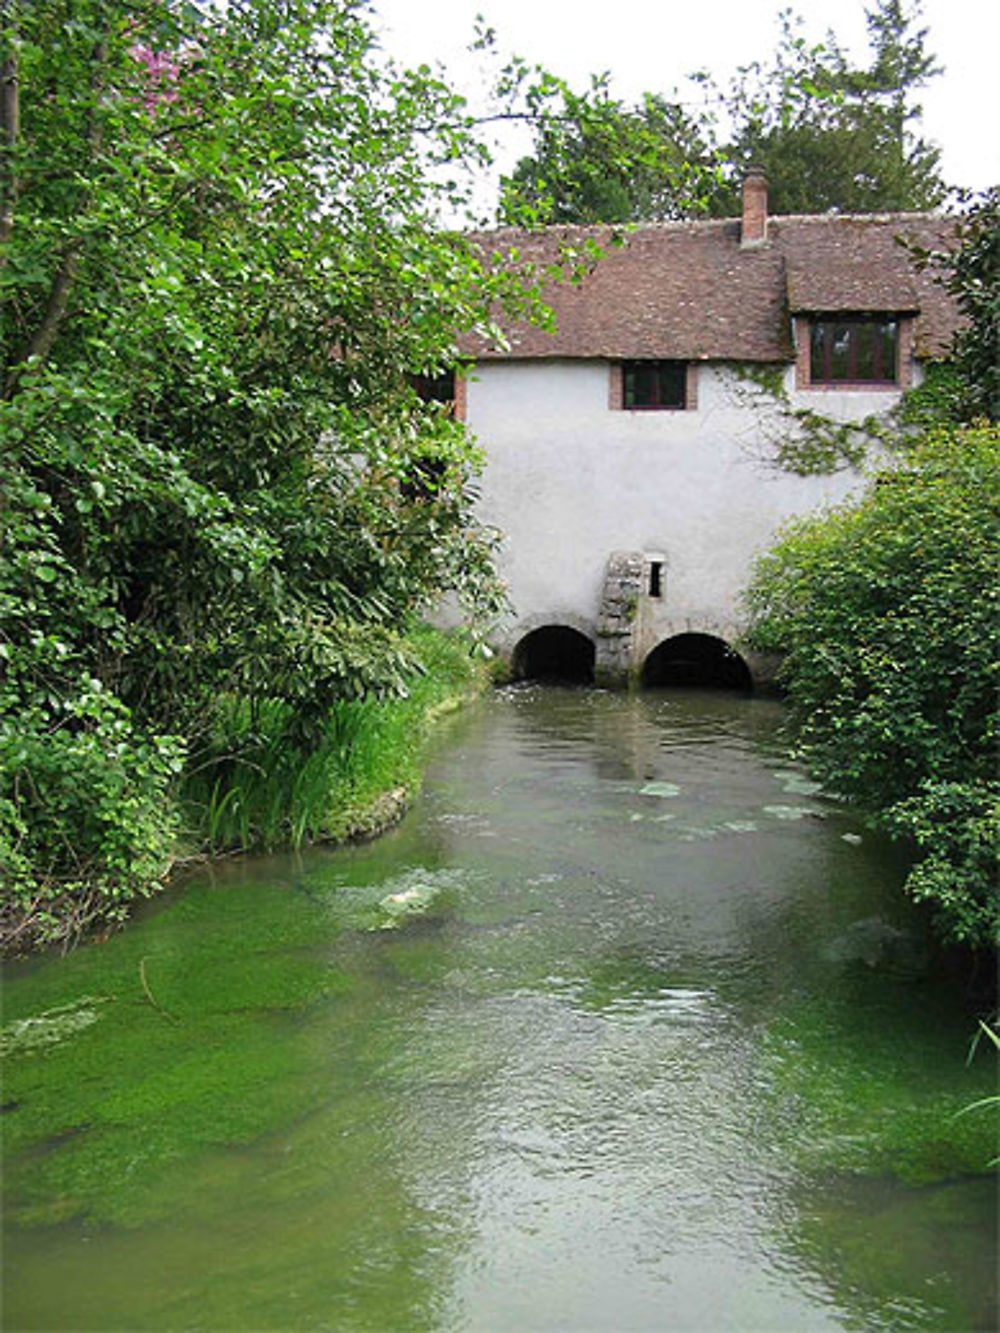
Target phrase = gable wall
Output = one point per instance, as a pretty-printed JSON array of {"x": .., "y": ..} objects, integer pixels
[{"x": 569, "y": 481}]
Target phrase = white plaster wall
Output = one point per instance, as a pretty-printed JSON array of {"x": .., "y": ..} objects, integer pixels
[{"x": 569, "y": 480}]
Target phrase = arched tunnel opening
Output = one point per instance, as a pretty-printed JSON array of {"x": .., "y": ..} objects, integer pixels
[
  {"x": 554, "y": 653},
  {"x": 696, "y": 661}
]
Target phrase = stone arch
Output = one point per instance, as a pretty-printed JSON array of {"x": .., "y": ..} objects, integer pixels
[
  {"x": 554, "y": 653},
  {"x": 699, "y": 661}
]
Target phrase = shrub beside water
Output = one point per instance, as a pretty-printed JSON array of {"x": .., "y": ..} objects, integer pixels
[
  {"x": 94, "y": 814},
  {"x": 886, "y": 611},
  {"x": 261, "y": 783},
  {"x": 87, "y": 823}
]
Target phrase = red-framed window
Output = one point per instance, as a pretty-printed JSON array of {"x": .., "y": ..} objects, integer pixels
[
  {"x": 654, "y": 385},
  {"x": 855, "y": 349}
]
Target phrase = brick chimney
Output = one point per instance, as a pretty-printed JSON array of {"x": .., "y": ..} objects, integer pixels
[{"x": 754, "y": 227}]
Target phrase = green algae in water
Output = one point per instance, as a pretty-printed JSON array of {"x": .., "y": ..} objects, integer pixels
[
  {"x": 798, "y": 784},
  {"x": 792, "y": 812},
  {"x": 233, "y": 1044},
  {"x": 414, "y": 903},
  {"x": 928, "y": 1246},
  {"x": 39, "y": 1031},
  {"x": 698, "y": 834},
  {"x": 635, "y": 1064},
  {"x": 870, "y": 1099},
  {"x": 219, "y": 1057},
  {"x": 419, "y": 894},
  {"x": 634, "y": 987},
  {"x": 137, "y": 1103}
]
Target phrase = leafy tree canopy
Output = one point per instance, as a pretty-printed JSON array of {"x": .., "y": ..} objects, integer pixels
[
  {"x": 829, "y": 134},
  {"x": 218, "y": 269},
  {"x": 832, "y": 136},
  {"x": 597, "y": 160}
]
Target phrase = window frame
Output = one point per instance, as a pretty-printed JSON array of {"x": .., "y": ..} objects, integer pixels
[
  {"x": 821, "y": 368},
  {"x": 678, "y": 367},
  {"x": 438, "y": 388}
]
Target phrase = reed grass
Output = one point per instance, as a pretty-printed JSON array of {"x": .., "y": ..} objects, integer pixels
[{"x": 259, "y": 786}]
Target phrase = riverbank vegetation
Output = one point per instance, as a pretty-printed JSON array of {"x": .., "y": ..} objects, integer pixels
[
  {"x": 260, "y": 784},
  {"x": 886, "y": 611},
  {"x": 100, "y": 835},
  {"x": 224, "y": 505}
]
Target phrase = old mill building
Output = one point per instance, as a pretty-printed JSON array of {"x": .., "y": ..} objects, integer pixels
[{"x": 631, "y": 453}]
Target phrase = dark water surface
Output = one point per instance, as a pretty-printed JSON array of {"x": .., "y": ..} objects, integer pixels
[{"x": 665, "y": 1051}]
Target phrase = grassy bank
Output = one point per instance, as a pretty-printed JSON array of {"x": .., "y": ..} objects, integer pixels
[
  {"x": 259, "y": 782},
  {"x": 262, "y": 786}
]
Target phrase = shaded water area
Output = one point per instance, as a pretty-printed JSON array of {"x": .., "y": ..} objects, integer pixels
[{"x": 625, "y": 1027}]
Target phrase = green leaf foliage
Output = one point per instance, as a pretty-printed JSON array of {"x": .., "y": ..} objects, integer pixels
[
  {"x": 886, "y": 611},
  {"x": 597, "y": 160},
  {"x": 971, "y": 273},
  {"x": 830, "y": 134},
  {"x": 219, "y": 271},
  {"x": 834, "y": 135}
]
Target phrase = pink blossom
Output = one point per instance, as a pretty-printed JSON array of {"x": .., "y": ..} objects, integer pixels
[{"x": 161, "y": 74}]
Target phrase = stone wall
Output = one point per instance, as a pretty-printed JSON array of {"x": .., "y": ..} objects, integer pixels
[{"x": 617, "y": 618}]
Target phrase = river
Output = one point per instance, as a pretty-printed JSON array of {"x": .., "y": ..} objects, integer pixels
[{"x": 625, "y": 1027}]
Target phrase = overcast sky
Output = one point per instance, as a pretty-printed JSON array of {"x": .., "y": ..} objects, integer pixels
[{"x": 650, "y": 46}]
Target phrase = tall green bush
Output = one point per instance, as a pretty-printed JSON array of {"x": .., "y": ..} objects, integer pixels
[
  {"x": 887, "y": 612},
  {"x": 219, "y": 269}
]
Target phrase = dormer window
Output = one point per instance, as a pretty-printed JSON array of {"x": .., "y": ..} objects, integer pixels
[{"x": 854, "y": 350}]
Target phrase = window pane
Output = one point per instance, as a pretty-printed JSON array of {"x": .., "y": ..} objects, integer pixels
[
  {"x": 859, "y": 351},
  {"x": 435, "y": 388},
  {"x": 654, "y": 384},
  {"x": 819, "y": 368},
  {"x": 840, "y": 352},
  {"x": 670, "y": 384},
  {"x": 645, "y": 386},
  {"x": 887, "y": 341},
  {"x": 864, "y": 357}
]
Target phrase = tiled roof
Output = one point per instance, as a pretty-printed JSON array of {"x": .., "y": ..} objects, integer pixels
[{"x": 687, "y": 290}]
